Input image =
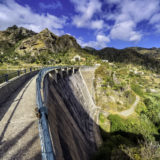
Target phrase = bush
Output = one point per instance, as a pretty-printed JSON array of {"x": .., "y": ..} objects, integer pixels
[
  {"x": 137, "y": 89},
  {"x": 140, "y": 126},
  {"x": 153, "y": 109},
  {"x": 147, "y": 150}
]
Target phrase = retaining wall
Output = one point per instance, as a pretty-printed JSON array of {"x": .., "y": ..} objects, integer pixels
[{"x": 70, "y": 117}]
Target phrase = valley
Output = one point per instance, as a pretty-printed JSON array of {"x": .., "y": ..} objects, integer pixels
[
  {"x": 129, "y": 98},
  {"x": 125, "y": 86}
]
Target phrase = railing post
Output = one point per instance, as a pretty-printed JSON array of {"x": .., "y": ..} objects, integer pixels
[
  {"x": 60, "y": 72},
  {"x": 18, "y": 73},
  {"x": 25, "y": 71},
  {"x": 6, "y": 77},
  {"x": 30, "y": 69}
]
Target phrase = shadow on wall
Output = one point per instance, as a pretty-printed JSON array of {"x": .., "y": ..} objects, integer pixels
[{"x": 72, "y": 124}]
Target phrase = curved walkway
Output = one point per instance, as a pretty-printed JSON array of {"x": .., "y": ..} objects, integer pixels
[
  {"x": 131, "y": 110},
  {"x": 19, "y": 134}
]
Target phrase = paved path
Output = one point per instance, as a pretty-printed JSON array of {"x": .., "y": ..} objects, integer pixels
[
  {"x": 129, "y": 111},
  {"x": 19, "y": 135}
]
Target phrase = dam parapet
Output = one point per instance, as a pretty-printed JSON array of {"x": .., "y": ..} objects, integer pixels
[{"x": 71, "y": 114}]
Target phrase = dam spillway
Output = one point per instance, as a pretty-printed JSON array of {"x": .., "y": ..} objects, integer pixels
[{"x": 71, "y": 114}]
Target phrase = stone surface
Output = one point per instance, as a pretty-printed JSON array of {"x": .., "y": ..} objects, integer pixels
[
  {"x": 88, "y": 76},
  {"x": 19, "y": 134},
  {"x": 46, "y": 41},
  {"x": 71, "y": 120},
  {"x": 14, "y": 34}
]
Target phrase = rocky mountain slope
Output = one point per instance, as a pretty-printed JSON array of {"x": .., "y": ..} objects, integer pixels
[
  {"x": 24, "y": 45},
  {"x": 29, "y": 41},
  {"x": 127, "y": 55},
  {"x": 152, "y": 52},
  {"x": 19, "y": 45},
  {"x": 46, "y": 41},
  {"x": 14, "y": 34},
  {"x": 11, "y": 36}
]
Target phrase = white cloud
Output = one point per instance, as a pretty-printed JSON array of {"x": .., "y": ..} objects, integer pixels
[
  {"x": 12, "y": 13},
  {"x": 102, "y": 38},
  {"x": 140, "y": 9},
  {"x": 92, "y": 24},
  {"x": 155, "y": 18},
  {"x": 157, "y": 26},
  {"x": 136, "y": 10},
  {"x": 131, "y": 12},
  {"x": 125, "y": 31},
  {"x": 97, "y": 24},
  {"x": 101, "y": 42},
  {"x": 126, "y": 17},
  {"x": 86, "y": 9}
]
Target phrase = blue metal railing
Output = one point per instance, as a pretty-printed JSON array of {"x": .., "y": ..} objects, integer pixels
[
  {"x": 7, "y": 76},
  {"x": 46, "y": 143}
]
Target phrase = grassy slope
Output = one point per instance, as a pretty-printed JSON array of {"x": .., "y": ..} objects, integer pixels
[{"x": 130, "y": 80}]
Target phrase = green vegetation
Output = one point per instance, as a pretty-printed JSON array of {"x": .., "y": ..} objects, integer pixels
[
  {"x": 151, "y": 109},
  {"x": 103, "y": 122},
  {"x": 137, "y": 89},
  {"x": 116, "y": 87},
  {"x": 130, "y": 73},
  {"x": 124, "y": 135}
]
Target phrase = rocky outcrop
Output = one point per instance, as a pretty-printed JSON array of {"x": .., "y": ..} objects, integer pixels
[
  {"x": 14, "y": 34},
  {"x": 46, "y": 41},
  {"x": 10, "y": 38}
]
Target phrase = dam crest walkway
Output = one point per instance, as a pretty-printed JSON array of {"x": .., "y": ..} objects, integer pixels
[
  {"x": 23, "y": 114},
  {"x": 19, "y": 135}
]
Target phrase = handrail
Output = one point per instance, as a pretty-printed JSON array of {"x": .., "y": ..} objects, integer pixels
[
  {"x": 46, "y": 143},
  {"x": 8, "y": 76}
]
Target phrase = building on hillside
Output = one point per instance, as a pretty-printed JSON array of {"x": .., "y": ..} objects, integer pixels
[
  {"x": 77, "y": 58},
  {"x": 104, "y": 60}
]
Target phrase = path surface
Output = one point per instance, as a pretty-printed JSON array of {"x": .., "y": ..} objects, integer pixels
[
  {"x": 131, "y": 110},
  {"x": 19, "y": 135}
]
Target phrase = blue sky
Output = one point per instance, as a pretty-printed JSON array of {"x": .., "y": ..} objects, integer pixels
[{"x": 95, "y": 23}]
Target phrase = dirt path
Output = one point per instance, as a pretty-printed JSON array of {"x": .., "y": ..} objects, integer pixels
[
  {"x": 129, "y": 111},
  {"x": 19, "y": 135}
]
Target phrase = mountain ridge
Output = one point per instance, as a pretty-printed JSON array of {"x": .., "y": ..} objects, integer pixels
[{"x": 30, "y": 47}]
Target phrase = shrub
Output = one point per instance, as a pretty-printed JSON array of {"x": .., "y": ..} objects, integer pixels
[
  {"x": 147, "y": 150},
  {"x": 137, "y": 89}
]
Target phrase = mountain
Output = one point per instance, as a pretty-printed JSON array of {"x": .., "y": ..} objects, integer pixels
[
  {"x": 128, "y": 55},
  {"x": 13, "y": 35},
  {"x": 46, "y": 41},
  {"x": 27, "y": 46},
  {"x": 152, "y": 52},
  {"x": 18, "y": 45}
]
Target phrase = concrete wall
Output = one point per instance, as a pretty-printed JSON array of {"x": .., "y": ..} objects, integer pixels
[
  {"x": 7, "y": 88},
  {"x": 70, "y": 115}
]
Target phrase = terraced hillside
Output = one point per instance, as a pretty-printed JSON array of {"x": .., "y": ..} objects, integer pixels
[{"x": 128, "y": 97}]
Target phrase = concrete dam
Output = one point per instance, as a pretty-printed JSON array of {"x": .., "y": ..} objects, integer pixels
[
  {"x": 63, "y": 127},
  {"x": 71, "y": 115}
]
